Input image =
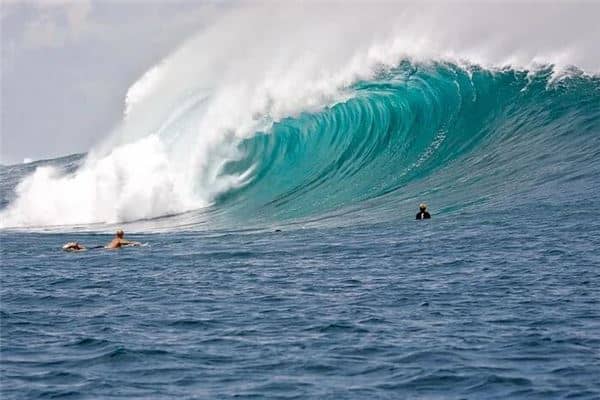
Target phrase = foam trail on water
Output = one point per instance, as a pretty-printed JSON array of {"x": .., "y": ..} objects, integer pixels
[{"x": 257, "y": 64}]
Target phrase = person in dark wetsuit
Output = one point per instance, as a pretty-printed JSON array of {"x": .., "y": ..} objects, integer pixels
[{"x": 423, "y": 214}]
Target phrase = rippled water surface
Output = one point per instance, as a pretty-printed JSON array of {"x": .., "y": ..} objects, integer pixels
[{"x": 501, "y": 305}]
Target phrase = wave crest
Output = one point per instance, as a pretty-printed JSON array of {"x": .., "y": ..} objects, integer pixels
[{"x": 297, "y": 119}]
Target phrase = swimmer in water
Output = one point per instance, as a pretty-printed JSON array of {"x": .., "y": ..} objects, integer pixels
[
  {"x": 423, "y": 214},
  {"x": 119, "y": 241},
  {"x": 74, "y": 246}
]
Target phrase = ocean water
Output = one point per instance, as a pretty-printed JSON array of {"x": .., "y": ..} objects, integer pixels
[
  {"x": 282, "y": 258},
  {"x": 479, "y": 305}
]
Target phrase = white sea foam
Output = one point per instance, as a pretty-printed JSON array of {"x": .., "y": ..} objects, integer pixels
[
  {"x": 259, "y": 63},
  {"x": 142, "y": 88}
]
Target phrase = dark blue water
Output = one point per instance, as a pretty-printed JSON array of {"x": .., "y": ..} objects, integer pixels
[{"x": 501, "y": 305}]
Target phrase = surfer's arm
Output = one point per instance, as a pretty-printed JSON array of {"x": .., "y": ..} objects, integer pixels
[{"x": 129, "y": 243}]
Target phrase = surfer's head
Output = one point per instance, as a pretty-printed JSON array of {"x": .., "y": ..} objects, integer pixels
[
  {"x": 120, "y": 233},
  {"x": 422, "y": 206}
]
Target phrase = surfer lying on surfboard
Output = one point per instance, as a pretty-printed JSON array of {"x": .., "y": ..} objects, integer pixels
[{"x": 117, "y": 242}]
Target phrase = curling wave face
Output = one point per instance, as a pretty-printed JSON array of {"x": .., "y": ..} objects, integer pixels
[
  {"x": 440, "y": 132},
  {"x": 281, "y": 125},
  {"x": 453, "y": 135}
]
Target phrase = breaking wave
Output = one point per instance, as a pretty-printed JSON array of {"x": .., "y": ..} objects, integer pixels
[{"x": 281, "y": 125}]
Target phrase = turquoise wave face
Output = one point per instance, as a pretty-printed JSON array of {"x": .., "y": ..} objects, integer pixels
[
  {"x": 459, "y": 139},
  {"x": 439, "y": 133}
]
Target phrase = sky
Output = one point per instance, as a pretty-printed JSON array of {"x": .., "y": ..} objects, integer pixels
[{"x": 67, "y": 64}]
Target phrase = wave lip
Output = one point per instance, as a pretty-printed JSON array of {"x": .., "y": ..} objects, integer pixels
[{"x": 450, "y": 134}]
